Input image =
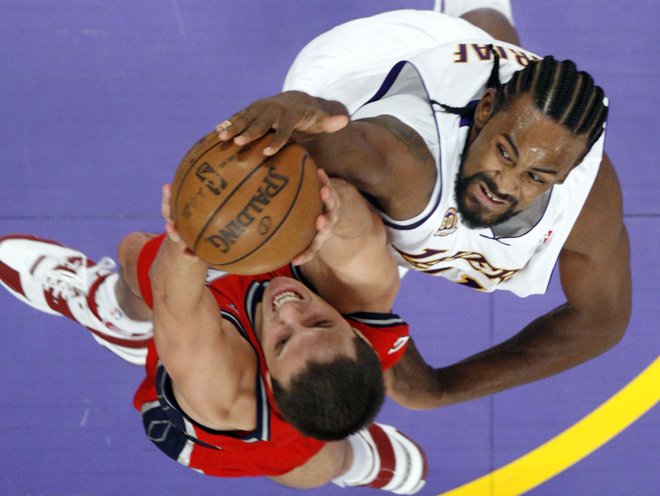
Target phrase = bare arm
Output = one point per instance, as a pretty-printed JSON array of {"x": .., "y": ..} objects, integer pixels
[
  {"x": 595, "y": 276},
  {"x": 205, "y": 360},
  {"x": 352, "y": 268},
  {"x": 413, "y": 383},
  {"x": 384, "y": 158}
]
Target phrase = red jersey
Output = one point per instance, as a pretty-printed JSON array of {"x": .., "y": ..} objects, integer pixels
[{"x": 274, "y": 447}]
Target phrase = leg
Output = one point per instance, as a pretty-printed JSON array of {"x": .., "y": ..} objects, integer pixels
[
  {"x": 494, "y": 23},
  {"x": 127, "y": 289},
  {"x": 493, "y": 16},
  {"x": 378, "y": 456},
  {"x": 335, "y": 458}
]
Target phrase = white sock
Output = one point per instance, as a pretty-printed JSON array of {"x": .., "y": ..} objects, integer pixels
[
  {"x": 110, "y": 311},
  {"x": 365, "y": 466},
  {"x": 456, "y": 8}
]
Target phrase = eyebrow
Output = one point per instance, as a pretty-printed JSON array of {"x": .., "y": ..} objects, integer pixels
[
  {"x": 515, "y": 148},
  {"x": 544, "y": 171},
  {"x": 535, "y": 169}
]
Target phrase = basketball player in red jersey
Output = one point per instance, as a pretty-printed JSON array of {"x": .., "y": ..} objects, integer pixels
[{"x": 248, "y": 375}]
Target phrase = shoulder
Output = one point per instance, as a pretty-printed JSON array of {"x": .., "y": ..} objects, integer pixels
[
  {"x": 222, "y": 397},
  {"x": 212, "y": 369},
  {"x": 387, "y": 333}
]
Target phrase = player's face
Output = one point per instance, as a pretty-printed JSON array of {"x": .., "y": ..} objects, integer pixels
[
  {"x": 298, "y": 326},
  {"x": 517, "y": 154}
]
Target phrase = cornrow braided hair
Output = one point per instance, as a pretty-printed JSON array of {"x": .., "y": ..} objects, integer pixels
[{"x": 559, "y": 91}]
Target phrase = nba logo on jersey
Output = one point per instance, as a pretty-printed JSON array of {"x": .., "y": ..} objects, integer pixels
[
  {"x": 448, "y": 224},
  {"x": 546, "y": 237}
]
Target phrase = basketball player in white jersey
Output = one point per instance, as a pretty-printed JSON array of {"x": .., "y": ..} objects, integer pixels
[{"x": 487, "y": 164}]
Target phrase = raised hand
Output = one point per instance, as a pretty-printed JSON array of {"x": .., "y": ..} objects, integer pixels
[
  {"x": 166, "y": 212},
  {"x": 292, "y": 114},
  {"x": 324, "y": 222}
]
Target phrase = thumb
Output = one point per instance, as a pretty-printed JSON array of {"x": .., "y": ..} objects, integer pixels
[{"x": 334, "y": 123}]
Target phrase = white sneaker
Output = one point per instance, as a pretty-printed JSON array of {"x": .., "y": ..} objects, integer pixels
[
  {"x": 61, "y": 281},
  {"x": 400, "y": 465}
]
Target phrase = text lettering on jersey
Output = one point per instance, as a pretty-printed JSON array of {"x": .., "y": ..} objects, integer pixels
[{"x": 483, "y": 52}]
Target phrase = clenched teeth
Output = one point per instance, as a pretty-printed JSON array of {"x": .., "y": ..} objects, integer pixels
[
  {"x": 489, "y": 195},
  {"x": 283, "y": 297}
]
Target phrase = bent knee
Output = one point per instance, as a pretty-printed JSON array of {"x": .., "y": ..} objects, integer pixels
[
  {"x": 127, "y": 254},
  {"x": 495, "y": 23},
  {"x": 130, "y": 246}
]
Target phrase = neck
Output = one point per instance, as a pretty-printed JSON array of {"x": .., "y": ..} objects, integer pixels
[{"x": 258, "y": 321}]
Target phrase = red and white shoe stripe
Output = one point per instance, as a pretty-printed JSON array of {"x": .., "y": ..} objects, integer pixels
[
  {"x": 399, "y": 464},
  {"x": 61, "y": 281}
]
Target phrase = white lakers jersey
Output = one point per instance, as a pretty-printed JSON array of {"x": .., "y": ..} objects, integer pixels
[{"x": 518, "y": 256}]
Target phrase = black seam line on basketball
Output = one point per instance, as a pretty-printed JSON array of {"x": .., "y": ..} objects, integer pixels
[
  {"x": 293, "y": 203},
  {"x": 192, "y": 166},
  {"x": 236, "y": 188}
]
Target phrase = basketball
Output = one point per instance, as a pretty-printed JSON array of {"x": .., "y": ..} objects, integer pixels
[{"x": 243, "y": 212}]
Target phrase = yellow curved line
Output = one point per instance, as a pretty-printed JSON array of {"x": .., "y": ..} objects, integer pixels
[{"x": 572, "y": 445}]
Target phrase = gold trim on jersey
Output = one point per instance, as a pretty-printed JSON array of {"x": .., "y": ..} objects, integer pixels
[
  {"x": 429, "y": 259},
  {"x": 449, "y": 223}
]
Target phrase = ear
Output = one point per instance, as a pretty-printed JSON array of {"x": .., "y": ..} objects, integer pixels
[{"x": 485, "y": 108}]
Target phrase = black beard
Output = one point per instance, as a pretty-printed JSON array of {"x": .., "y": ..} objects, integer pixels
[{"x": 473, "y": 217}]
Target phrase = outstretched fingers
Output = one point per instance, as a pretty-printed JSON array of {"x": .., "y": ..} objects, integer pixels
[
  {"x": 286, "y": 113},
  {"x": 244, "y": 126}
]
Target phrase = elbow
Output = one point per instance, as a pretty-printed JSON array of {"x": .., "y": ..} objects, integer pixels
[
  {"x": 615, "y": 332},
  {"x": 612, "y": 327},
  {"x": 618, "y": 319}
]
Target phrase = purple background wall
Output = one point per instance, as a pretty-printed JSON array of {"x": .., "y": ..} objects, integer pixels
[{"x": 99, "y": 101}]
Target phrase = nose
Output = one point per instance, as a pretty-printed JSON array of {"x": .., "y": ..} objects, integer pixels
[
  {"x": 507, "y": 182},
  {"x": 291, "y": 313}
]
